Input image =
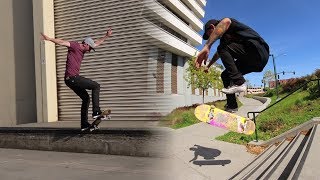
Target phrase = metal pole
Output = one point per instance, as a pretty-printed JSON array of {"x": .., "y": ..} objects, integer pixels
[
  {"x": 275, "y": 75},
  {"x": 254, "y": 120}
]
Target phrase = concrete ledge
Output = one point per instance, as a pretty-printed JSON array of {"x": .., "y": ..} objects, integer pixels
[
  {"x": 289, "y": 134},
  {"x": 264, "y": 100},
  {"x": 128, "y": 142}
]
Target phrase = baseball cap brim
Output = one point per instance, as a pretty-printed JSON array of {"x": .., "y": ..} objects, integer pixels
[
  {"x": 92, "y": 49},
  {"x": 205, "y": 36}
]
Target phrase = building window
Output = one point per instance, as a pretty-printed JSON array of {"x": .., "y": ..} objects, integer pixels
[
  {"x": 174, "y": 70},
  {"x": 169, "y": 9},
  {"x": 160, "y": 71}
]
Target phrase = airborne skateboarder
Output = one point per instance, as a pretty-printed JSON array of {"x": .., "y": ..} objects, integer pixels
[
  {"x": 237, "y": 41},
  {"x": 76, "y": 82}
]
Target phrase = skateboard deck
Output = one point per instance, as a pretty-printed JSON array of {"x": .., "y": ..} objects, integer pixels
[
  {"x": 211, "y": 162},
  {"x": 104, "y": 115},
  {"x": 223, "y": 119}
]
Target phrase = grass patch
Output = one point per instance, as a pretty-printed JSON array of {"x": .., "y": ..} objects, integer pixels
[
  {"x": 184, "y": 116},
  {"x": 287, "y": 114}
]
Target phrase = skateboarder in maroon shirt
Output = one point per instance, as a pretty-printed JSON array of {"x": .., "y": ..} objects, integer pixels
[{"x": 76, "y": 82}]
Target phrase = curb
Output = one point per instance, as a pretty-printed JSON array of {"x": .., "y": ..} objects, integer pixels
[
  {"x": 264, "y": 100},
  {"x": 127, "y": 142}
]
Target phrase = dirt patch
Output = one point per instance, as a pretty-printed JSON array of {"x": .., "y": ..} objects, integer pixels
[{"x": 254, "y": 149}]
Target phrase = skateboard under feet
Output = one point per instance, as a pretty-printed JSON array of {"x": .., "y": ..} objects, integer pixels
[{"x": 105, "y": 115}]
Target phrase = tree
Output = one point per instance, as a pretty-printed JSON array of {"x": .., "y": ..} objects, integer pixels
[
  {"x": 268, "y": 76},
  {"x": 248, "y": 83},
  {"x": 202, "y": 80}
]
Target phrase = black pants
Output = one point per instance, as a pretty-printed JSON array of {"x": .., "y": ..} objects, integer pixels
[
  {"x": 79, "y": 85},
  {"x": 240, "y": 59}
]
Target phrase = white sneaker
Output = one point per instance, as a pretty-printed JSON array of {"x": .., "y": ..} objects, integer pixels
[{"x": 234, "y": 89}]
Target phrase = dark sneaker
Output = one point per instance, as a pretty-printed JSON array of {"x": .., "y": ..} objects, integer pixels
[
  {"x": 235, "y": 89},
  {"x": 95, "y": 127},
  {"x": 96, "y": 114},
  {"x": 85, "y": 128}
]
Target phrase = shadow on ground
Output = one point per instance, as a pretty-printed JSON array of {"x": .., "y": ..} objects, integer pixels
[{"x": 208, "y": 154}]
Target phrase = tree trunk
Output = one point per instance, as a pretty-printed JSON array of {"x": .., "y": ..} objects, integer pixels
[{"x": 202, "y": 96}]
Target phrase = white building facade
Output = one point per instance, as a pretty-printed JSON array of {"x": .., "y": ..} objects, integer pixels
[
  {"x": 174, "y": 26},
  {"x": 141, "y": 68}
]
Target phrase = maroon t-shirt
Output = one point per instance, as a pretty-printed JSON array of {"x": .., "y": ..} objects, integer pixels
[{"x": 74, "y": 59}]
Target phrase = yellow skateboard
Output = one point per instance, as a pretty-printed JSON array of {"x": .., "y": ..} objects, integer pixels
[{"x": 223, "y": 119}]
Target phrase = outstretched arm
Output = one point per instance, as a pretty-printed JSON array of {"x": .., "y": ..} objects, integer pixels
[
  {"x": 56, "y": 41},
  {"x": 101, "y": 40},
  {"x": 218, "y": 31},
  {"x": 214, "y": 59}
]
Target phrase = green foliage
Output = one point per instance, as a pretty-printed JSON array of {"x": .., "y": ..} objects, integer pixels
[
  {"x": 184, "y": 116},
  {"x": 187, "y": 120},
  {"x": 314, "y": 89},
  {"x": 295, "y": 110},
  {"x": 317, "y": 73},
  {"x": 270, "y": 92},
  {"x": 199, "y": 79},
  {"x": 293, "y": 84},
  {"x": 219, "y": 66},
  {"x": 236, "y": 138},
  {"x": 180, "y": 117}
]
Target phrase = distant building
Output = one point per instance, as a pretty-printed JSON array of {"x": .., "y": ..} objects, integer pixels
[
  {"x": 272, "y": 84},
  {"x": 174, "y": 27},
  {"x": 255, "y": 90}
]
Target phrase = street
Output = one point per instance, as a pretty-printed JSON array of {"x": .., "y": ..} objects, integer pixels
[{"x": 32, "y": 165}]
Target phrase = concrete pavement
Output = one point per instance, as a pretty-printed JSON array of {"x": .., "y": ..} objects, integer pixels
[
  {"x": 196, "y": 155},
  {"x": 37, "y": 165},
  {"x": 191, "y": 153}
]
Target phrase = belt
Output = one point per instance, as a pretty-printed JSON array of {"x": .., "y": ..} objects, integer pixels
[{"x": 69, "y": 77}]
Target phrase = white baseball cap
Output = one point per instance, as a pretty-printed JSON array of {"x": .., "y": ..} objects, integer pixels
[{"x": 90, "y": 42}]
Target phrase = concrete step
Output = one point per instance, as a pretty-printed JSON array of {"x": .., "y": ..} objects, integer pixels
[
  {"x": 300, "y": 161},
  {"x": 284, "y": 165},
  {"x": 260, "y": 170},
  {"x": 309, "y": 166},
  {"x": 256, "y": 161},
  {"x": 149, "y": 142}
]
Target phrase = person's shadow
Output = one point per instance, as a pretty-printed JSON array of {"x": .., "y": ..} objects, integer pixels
[{"x": 209, "y": 154}]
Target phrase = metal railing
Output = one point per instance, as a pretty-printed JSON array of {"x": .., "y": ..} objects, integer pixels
[{"x": 278, "y": 101}]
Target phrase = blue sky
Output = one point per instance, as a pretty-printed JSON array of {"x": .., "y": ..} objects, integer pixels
[{"x": 290, "y": 27}]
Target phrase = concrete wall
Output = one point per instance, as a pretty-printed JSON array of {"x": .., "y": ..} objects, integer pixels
[
  {"x": 45, "y": 61},
  {"x": 17, "y": 78}
]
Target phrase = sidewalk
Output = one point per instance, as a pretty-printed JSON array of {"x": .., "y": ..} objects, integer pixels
[
  {"x": 196, "y": 155},
  {"x": 190, "y": 153}
]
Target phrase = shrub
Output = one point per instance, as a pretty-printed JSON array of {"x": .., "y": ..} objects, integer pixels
[
  {"x": 293, "y": 84},
  {"x": 313, "y": 89},
  {"x": 270, "y": 92},
  {"x": 317, "y": 73}
]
